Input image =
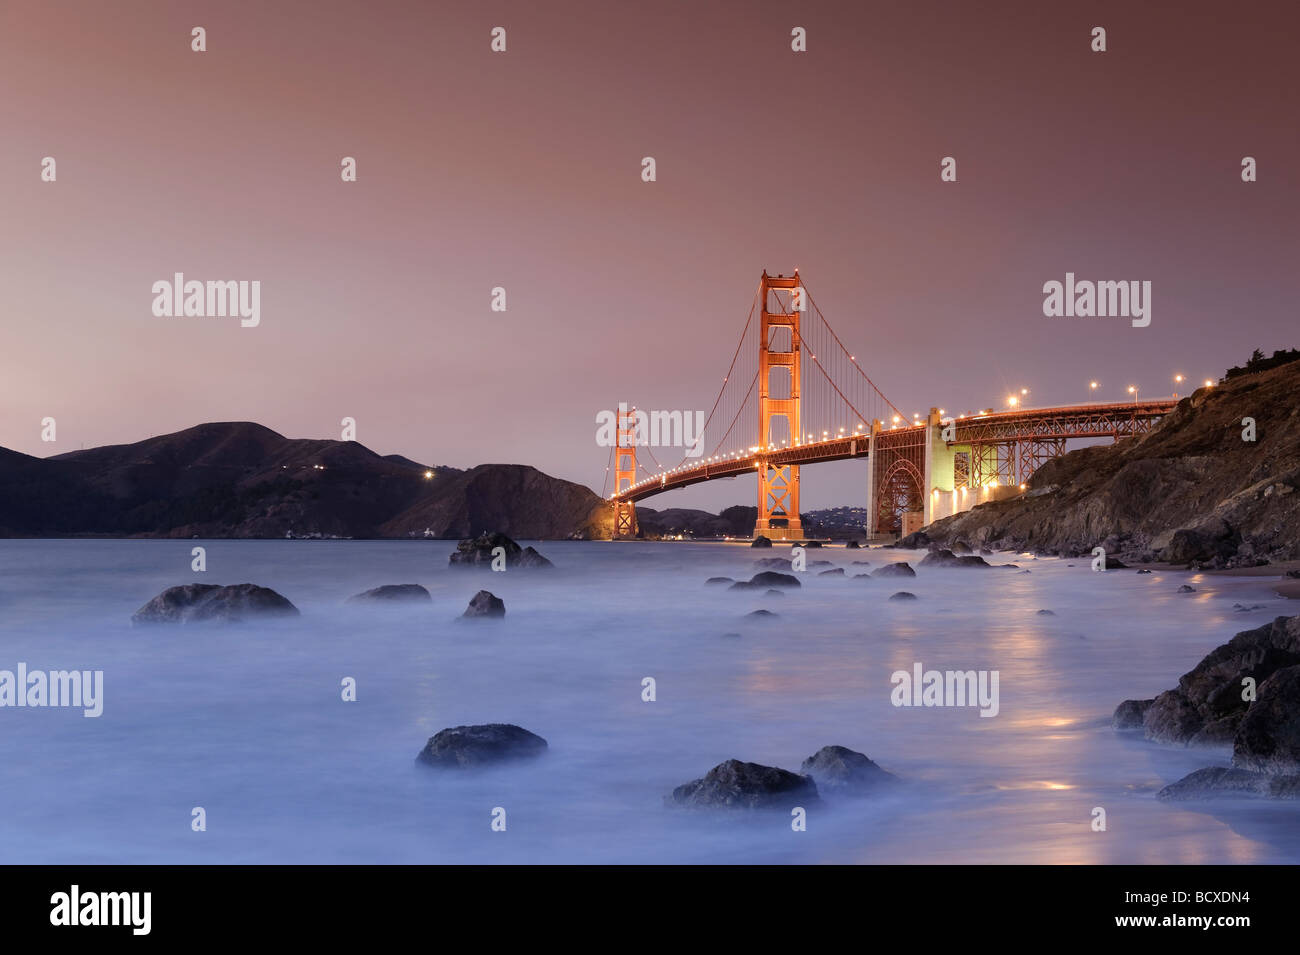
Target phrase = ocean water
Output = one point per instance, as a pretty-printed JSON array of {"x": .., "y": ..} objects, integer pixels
[{"x": 247, "y": 721}]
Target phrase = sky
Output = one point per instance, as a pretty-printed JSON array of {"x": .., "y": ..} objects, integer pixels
[{"x": 522, "y": 170}]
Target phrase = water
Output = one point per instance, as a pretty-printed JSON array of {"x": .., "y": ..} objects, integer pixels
[{"x": 248, "y": 722}]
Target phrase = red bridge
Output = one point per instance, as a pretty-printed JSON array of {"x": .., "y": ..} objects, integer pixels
[{"x": 919, "y": 470}]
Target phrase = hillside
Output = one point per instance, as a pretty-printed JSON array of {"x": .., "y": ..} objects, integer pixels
[
  {"x": 1192, "y": 490},
  {"x": 240, "y": 479}
]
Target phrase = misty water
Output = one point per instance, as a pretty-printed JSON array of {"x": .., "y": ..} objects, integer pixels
[{"x": 247, "y": 721}]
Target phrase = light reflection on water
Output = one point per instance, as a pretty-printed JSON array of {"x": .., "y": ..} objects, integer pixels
[{"x": 247, "y": 721}]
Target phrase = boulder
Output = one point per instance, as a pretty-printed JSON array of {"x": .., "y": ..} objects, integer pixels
[
  {"x": 852, "y": 545},
  {"x": 462, "y": 747},
  {"x": 899, "y": 569},
  {"x": 1268, "y": 735},
  {"x": 839, "y": 769},
  {"x": 391, "y": 593},
  {"x": 761, "y": 541},
  {"x": 902, "y": 595},
  {"x": 485, "y": 604},
  {"x": 195, "y": 603},
  {"x": 739, "y": 785},
  {"x": 946, "y": 558},
  {"x": 1187, "y": 589},
  {"x": 1207, "y": 704},
  {"x": 1216, "y": 781},
  {"x": 718, "y": 581},
  {"x": 477, "y": 552},
  {"x": 1129, "y": 714},
  {"x": 766, "y": 578}
]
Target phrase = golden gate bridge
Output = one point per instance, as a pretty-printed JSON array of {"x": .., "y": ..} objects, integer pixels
[{"x": 808, "y": 400}]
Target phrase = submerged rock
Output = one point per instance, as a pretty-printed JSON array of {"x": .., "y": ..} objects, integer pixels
[
  {"x": 1187, "y": 589},
  {"x": 899, "y": 569},
  {"x": 837, "y": 572},
  {"x": 194, "y": 603},
  {"x": 762, "y": 614},
  {"x": 902, "y": 595},
  {"x": 461, "y": 747},
  {"x": 738, "y": 785},
  {"x": 773, "y": 563},
  {"x": 1218, "y": 781},
  {"x": 766, "y": 578},
  {"x": 1129, "y": 714},
  {"x": 716, "y": 581},
  {"x": 842, "y": 770},
  {"x": 391, "y": 593},
  {"x": 946, "y": 558},
  {"x": 485, "y": 604},
  {"x": 1045, "y": 613},
  {"x": 477, "y": 552}
]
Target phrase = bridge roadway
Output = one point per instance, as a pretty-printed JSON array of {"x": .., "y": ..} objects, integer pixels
[{"x": 1060, "y": 422}]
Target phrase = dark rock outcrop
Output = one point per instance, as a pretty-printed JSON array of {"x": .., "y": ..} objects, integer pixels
[
  {"x": 766, "y": 578},
  {"x": 836, "y": 572},
  {"x": 477, "y": 552},
  {"x": 838, "y": 769},
  {"x": 1129, "y": 715},
  {"x": 1268, "y": 736},
  {"x": 739, "y": 785},
  {"x": 902, "y": 595},
  {"x": 485, "y": 604},
  {"x": 463, "y": 747},
  {"x": 392, "y": 593},
  {"x": 1214, "y": 782},
  {"x": 941, "y": 557},
  {"x": 761, "y": 541},
  {"x": 899, "y": 569},
  {"x": 195, "y": 603},
  {"x": 1207, "y": 705}
]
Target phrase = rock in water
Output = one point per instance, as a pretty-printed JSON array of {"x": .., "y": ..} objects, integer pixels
[
  {"x": 761, "y": 541},
  {"x": 902, "y": 595},
  {"x": 1215, "y": 781},
  {"x": 837, "y": 572},
  {"x": 192, "y": 603},
  {"x": 738, "y": 785},
  {"x": 1128, "y": 715},
  {"x": 1045, "y": 613},
  {"x": 1187, "y": 589},
  {"x": 462, "y": 747},
  {"x": 1268, "y": 737},
  {"x": 773, "y": 563},
  {"x": 477, "y": 552},
  {"x": 714, "y": 581},
  {"x": 392, "y": 593},
  {"x": 766, "y": 578},
  {"x": 840, "y": 769},
  {"x": 485, "y": 604},
  {"x": 1207, "y": 704},
  {"x": 945, "y": 558},
  {"x": 852, "y": 545},
  {"x": 900, "y": 569}
]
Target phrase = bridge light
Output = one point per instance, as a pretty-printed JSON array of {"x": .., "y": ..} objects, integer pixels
[
  {"x": 1092, "y": 385},
  {"x": 1209, "y": 383},
  {"x": 896, "y": 419},
  {"x": 1012, "y": 400},
  {"x": 1024, "y": 391}
]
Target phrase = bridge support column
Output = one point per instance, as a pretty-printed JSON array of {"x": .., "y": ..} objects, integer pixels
[
  {"x": 873, "y": 493},
  {"x": 940, "y": 472},
  {"x": 624, "y": 470},
  {"x": 778, "y": 487}
]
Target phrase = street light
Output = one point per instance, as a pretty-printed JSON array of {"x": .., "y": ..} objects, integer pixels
[
  {"x": 1092, "y": 385},
  {"x": 1012, "y": 400},
  {"x": 1133, "y": 390},
  {"x": 1178, "y": 380}
]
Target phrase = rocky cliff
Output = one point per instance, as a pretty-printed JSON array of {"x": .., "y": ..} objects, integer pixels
[{"x": 1195, "y": 489}]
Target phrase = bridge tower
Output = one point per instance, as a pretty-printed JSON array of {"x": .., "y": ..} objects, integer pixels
[
  {"x": 778, "y": 486},
  {"x": 624, "y": 470}
]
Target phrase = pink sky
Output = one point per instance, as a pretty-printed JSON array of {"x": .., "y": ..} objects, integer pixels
[{"x": 522, "y": 170}]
